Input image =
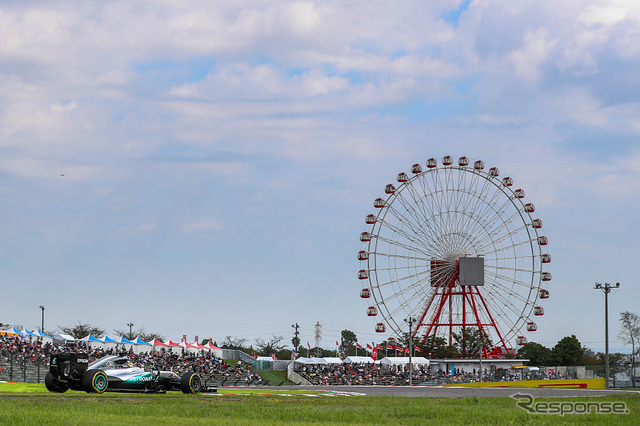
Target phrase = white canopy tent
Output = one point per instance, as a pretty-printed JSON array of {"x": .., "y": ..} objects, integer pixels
[
  {"x": 63, "y": 338},
  {"x": 330, "y": 360},
  {"x": 359, "y": 360},
  {"x": 312, "y": 361},
  {"x": 392, "y": 361}
]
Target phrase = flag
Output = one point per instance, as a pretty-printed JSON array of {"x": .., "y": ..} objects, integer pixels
[
  {"x": 369, "y": 346},
  {"x": 274, "y": 357},
  {"x": 417, "y": 349},
  {"x": 389, "y": 347},
  {"x": 406, "y": 350},
  {"x": 308, "y": 345},
  {"x": 294, "y": 354},
  {"x": 358, "y": 345}
]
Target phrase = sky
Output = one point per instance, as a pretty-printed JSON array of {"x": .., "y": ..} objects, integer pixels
[{"x": 204, "y": 168}]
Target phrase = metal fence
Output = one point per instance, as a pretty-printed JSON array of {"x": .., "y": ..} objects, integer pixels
[{"x": 14, "y": 369}]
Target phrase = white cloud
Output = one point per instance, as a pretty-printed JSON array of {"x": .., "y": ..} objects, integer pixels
[
  {"x": 610, "y": 13},
  {"x": 64, "y": 106},
  {"x": 240, "y": 81},
  {"x": 533, "y": 53},
  {"x": 308, "y": 108},
  {"x": 147, "y": 227},
  {"x": 200, "y": 224}
]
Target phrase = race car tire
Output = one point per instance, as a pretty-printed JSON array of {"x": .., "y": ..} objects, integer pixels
[
  {"x": 190, "y": 383},
  {"x": 54, "y": 385},
  {"x": 95, "y": 381}
]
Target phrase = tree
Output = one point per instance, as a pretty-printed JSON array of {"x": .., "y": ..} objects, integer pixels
[
  {"x": 82, "y": 330},
  {"x": 321, "y": 352},
  {"x": 141, "y": 333},
  {"x": 567, "y": 351},
  {"x": 129, "y": 335},
  {"x": 616, "y": 363},
  {"x": 269, "y": 347},
  {"x": 348, "y": 341},
  {"x": 437, "y": 347},
  {"x": 150, "y": 337},
  {"x": 590, "y": 357},
  {"x": 233, "y": 343},
  {"x": 630, "y": 335},
  {"x": 470, "y": 341},
  {"x": 536, "y": 353}
]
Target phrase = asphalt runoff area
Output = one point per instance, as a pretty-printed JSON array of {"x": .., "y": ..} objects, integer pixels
[{"x": 454, "y": 392}]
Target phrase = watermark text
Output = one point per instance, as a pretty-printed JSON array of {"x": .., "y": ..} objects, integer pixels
[{"x": 528, "y": 403}]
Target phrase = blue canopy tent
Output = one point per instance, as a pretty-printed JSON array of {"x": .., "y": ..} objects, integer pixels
[
  {"x": 141, "y": 345},
  {"x": 90, "y": 340},
  {"x": 40, "y": 333},
  {"x": 108, "y": 342}
]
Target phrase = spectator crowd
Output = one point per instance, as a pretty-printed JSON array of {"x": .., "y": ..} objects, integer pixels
[
  {"x": 373, "y": 374},
  {"x": 23, "y": 353}
]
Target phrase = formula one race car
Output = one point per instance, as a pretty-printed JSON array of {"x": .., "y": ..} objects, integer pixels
[{"x": 115, "y": 373}]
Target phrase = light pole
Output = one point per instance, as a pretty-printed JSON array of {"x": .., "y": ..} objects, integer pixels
[
  {"x": 410, "y": 321},
  {"x": 606, "y": 288},
  {"x": 130, "y": 324},
  {"x": 481, "y": 347},
  {"x": 42, "y": 326}
]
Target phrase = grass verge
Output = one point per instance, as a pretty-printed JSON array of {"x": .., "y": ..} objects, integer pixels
[{"x": 32, "y": 404}]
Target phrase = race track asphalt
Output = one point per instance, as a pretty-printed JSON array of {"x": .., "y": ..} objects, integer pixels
[{"x": 455, "y": 392}]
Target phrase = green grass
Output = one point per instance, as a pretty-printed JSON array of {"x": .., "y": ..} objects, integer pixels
[
  {"x": 276, "y": 378},
  {"x": 31, "y": 404}
]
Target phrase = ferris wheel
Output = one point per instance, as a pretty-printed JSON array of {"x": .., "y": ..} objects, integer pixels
[{"x": 456, "y": 247}]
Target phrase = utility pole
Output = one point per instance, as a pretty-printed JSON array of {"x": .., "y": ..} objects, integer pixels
[
  {"x": 296, "y": 339},
  {"x": 606, "y": 289},
  {"x": 410, "y": 321},
  {"x": 130, "y": 324},
  {"x": 42, "y": 327},
  {"x": 318, "y": 336}
]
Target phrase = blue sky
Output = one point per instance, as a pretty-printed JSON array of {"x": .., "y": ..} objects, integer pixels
[{"x": 219, "y": 159}]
